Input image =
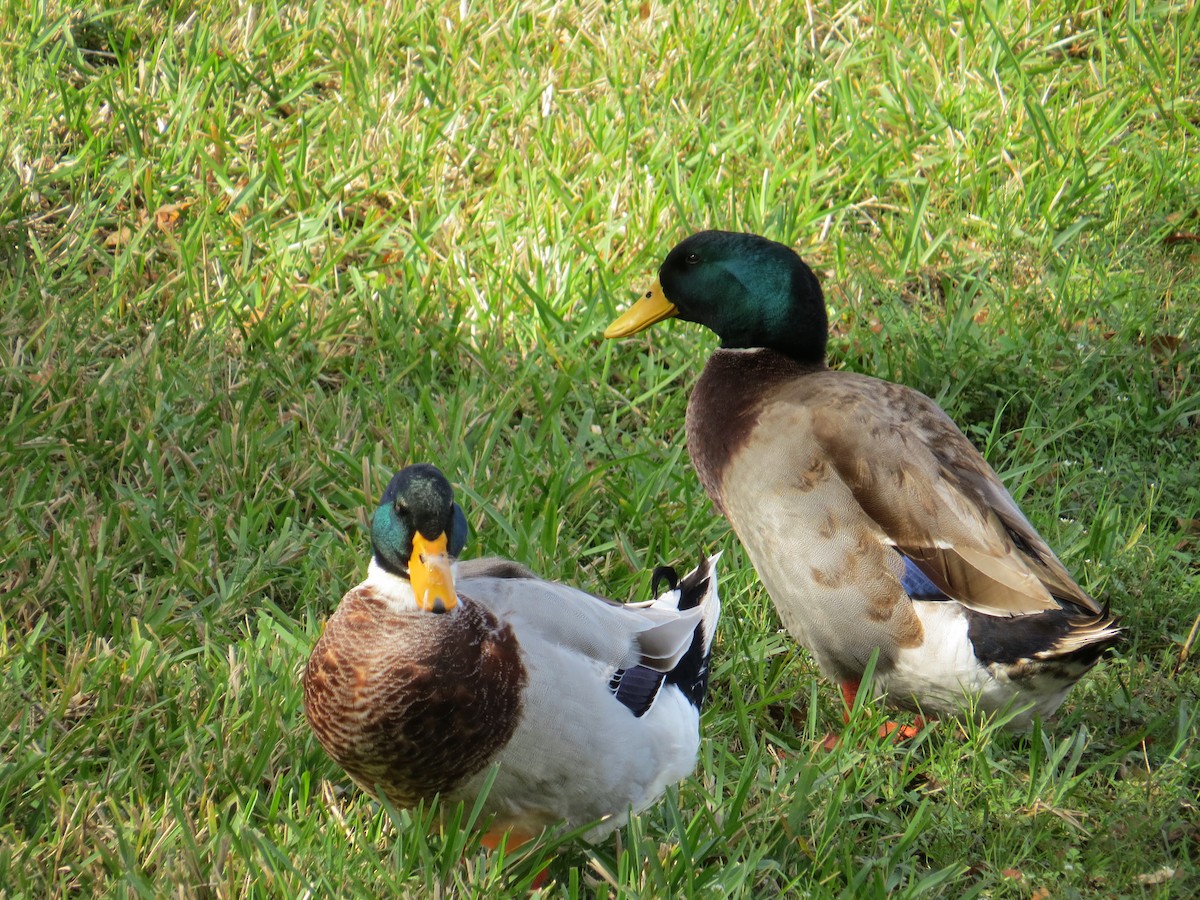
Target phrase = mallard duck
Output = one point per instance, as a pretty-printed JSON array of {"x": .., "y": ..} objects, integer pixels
[
  {"x": 431, "y": 672},
  {"x": 872, "y": 521}
]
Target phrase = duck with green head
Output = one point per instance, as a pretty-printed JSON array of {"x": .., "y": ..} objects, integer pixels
[
  {"x": 432, "y": 672},
  {"x": 872, "y": 521}
]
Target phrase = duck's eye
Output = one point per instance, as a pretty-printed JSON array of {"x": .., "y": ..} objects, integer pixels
[{"x": 692, "y": 259}]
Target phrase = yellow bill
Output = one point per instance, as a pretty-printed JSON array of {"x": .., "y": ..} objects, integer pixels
[
  {"x": 430, "y": 575},
  {"x": 654, "y": 307}
]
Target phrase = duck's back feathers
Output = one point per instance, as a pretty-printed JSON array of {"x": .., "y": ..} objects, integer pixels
[
  {"x": 493, "y": 567},
  {"x": 548, "y": 613},
  {"x": 934, "y": 497}
]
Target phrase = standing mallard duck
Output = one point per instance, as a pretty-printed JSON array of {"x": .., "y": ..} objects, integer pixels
[
  {"x": 871, "y": 519},
  {"x": 425, "y": 677}
]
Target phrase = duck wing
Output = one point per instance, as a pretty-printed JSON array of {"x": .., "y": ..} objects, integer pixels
[{"x": 937, "y": 501}]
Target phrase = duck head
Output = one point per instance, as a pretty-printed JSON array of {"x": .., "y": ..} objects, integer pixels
[
  {"x": 751, "y": 291},
  {"x": 417, "y": 532}
]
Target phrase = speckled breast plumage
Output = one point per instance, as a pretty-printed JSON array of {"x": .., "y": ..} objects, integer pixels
[{"x": 413, "y": 704}]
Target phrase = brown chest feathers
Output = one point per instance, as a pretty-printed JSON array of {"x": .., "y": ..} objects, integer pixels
[
  {"x": 413, "y": 703},
  {"x": 725, "y": 405}
]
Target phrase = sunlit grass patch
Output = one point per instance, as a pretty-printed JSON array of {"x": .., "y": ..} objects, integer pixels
[{"x": 255, "y": 257}]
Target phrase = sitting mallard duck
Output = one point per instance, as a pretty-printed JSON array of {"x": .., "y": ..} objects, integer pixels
[
  {"x": 870, "y": 518},
  {"x": 430, "y": 672}
]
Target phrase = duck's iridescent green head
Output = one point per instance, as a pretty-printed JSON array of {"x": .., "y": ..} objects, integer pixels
[
  {"x": 753, "y": 292},
  {"x": 418, "y": 531}
]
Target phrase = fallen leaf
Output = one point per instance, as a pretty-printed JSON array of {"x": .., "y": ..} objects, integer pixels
[
  {"x": 1166, "y": 873},
  {"x": 119, "y": 238},
  {"x": 166, "y": 216},
  {"x": 1165, "y": 344}
]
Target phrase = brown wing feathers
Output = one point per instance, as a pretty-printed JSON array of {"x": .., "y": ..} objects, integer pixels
[{"x": 939, "y": 503}]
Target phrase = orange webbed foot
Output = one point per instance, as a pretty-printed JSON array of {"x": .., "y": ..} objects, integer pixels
[
  {"x": 513, "y": 838},
  {"x": 888, "y": 729},
  {"x": 902, "y": 732}
]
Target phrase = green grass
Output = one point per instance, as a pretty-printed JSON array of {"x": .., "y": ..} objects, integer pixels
[{"x": 255, "y": 257}]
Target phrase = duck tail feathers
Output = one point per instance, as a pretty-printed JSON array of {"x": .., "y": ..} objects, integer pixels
[
  {"x": 698, "y": 589},
  {"x": 1088, "y": 638}
]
